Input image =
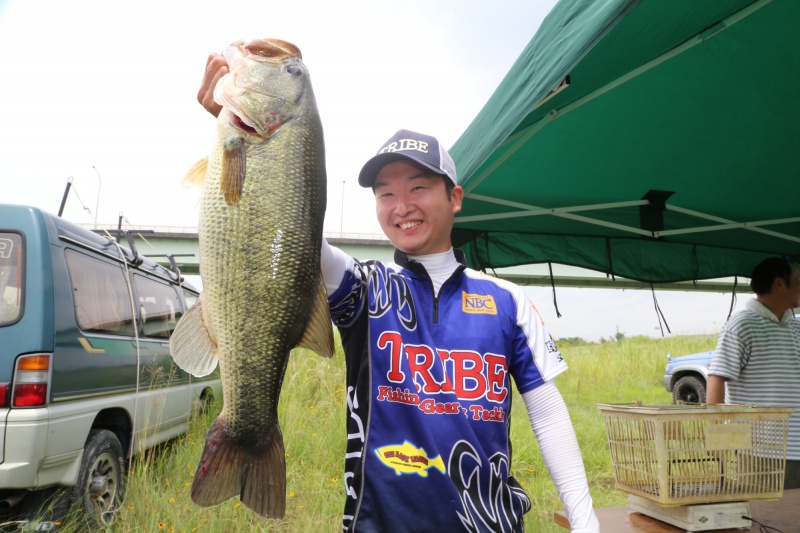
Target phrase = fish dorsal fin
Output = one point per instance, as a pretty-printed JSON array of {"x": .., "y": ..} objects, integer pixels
[
  {"x": 197, "y": 174},
  {"x": 318, "y": 336},
  {"x": 192, "y": 345},
  {"x": 233, "y": 169}
]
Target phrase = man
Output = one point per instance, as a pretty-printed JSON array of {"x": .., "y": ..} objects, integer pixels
[
  {"x": 757, "y": 359},
  {"x": 430, "y": 348}
]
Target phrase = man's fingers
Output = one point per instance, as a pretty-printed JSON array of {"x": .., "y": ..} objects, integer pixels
[{"x": 216, "y": 68}]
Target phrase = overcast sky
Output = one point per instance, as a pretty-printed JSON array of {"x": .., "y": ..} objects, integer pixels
[
  {"x": 104, "y": 93},
  {"x": 112, "y": 85}
]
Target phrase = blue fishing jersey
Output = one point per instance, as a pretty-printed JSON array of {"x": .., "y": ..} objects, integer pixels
[{"x": 429, "y": 396}]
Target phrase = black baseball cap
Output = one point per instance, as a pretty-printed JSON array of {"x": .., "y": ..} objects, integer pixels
[{"x": 417, "y": 147}]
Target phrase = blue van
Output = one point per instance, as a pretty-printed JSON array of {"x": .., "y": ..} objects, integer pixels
[{"x": 86, "y": 379}]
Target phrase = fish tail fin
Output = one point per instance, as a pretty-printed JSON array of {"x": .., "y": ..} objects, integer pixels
[
  {"x": 191, "y": 345},
  {"x": 318, "y": 336},
  {"x": 264, "y": 478},
  {"x": 228, "y": 469},
  {"x": 218, "y": 476}
]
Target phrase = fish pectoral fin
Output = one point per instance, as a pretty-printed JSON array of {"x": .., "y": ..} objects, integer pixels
[
  {"x": 234, "y": 164},
  {"x": 318, "y": 336},
  {"x": 191, "y": 345},
  {"x": 256, "y": 472},
  {"x": 197, "y": 174}
]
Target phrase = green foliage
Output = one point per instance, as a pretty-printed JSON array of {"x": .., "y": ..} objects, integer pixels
[
  {"x": 313, "y": 412},
  {"x": 571, "y": 341}
]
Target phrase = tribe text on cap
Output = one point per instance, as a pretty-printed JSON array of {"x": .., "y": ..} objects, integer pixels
[{"x": 405, "y": 144}]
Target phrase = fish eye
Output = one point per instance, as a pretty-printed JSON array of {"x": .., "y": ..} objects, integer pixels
[{"x": 295, "y": 70}]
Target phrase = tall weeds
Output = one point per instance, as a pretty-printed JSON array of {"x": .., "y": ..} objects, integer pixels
[{"x": 313, "y": 412}]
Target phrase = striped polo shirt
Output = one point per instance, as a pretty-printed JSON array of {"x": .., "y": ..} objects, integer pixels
[{"x": 760, "y": 355}]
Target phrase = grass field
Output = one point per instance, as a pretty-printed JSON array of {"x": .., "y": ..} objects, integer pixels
[{"x": 313, "y": 412}]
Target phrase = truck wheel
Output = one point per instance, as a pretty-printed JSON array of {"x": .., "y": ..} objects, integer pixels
[
  {"x": 98, "y": 494},
  {"x": 689, "y": 389}
]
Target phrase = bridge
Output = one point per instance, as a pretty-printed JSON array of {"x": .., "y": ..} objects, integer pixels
[{"x": 158, "y": 242}]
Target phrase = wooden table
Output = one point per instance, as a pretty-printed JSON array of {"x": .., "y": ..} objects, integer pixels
[{"x": 783, "y": 514}]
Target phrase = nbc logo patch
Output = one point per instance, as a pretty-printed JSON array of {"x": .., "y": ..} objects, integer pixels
[{"x": 478, "y": 304}]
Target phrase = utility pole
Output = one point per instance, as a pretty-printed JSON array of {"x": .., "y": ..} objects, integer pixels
[
  {"x": 341, "y": 216},
  {"x": 97, "y": 204}
]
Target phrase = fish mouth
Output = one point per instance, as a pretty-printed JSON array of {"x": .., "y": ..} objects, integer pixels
[
  {"x": 230, "y": 88},
  {"x": 242, "y": 125},
  {"x": 271, "y": 49},
  {"x": 263, "y": 129}
]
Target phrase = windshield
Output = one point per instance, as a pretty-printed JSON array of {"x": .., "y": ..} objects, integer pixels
[{"x": 12, "y": 255}]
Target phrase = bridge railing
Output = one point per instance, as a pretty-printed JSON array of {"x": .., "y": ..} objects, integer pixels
[{"x": 192, "y": 230}]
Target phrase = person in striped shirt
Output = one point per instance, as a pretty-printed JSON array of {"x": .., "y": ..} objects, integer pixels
[{"x": 757, "y": 359}]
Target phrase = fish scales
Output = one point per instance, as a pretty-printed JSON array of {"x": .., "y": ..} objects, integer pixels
[
  {"x": 260, "y": 232},
  {"x": 246, "y": 276}
]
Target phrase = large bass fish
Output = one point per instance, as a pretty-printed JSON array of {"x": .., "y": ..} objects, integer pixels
[{"x": 260, "y": 232}]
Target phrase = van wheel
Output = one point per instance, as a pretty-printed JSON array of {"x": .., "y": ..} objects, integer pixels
[
  {"x": 203, "y": 405},
  {"x": 98, "y": 494},
  {"x": 689, "y": 389}
]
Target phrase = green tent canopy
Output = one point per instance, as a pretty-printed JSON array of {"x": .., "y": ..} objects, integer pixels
[{"x": 657, "y": 140}]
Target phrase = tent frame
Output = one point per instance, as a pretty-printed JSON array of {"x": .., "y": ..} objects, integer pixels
[{"x": 567, "y": 212}]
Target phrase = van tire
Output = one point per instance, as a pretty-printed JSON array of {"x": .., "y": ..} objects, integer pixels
[
  {"x": 98, "y": 495},
  {"x": 202, "y": 406},
  {"x": 689, "y": 389}
]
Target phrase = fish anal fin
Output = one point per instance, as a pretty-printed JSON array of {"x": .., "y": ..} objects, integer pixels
[
  {"x": 256, "y": 473},
  {"x": 191, "y": 345},
  {"x": 234, "y": 165},
  {"x": 197, "y": 174},
  {"x": 318, "y": 336}
]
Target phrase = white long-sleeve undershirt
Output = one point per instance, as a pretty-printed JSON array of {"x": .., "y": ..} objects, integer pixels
[
  {"x": 562, "y": 455},
  {"x": 333, "y": 263}
]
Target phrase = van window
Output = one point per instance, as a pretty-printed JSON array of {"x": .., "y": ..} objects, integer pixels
[
  {"x": 160, "y": 307},
  {"x": 190, "y": 297},
  {"x": 12, "y": 255},
  {"x": 102, "y": 299}
]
